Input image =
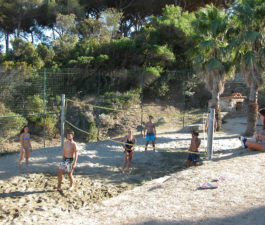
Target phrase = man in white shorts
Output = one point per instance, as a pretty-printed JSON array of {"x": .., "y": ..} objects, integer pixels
[{"x": 70, "y": 155}]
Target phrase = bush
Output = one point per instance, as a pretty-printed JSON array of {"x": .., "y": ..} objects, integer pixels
[
  {"x": 86, "y": 123},
  {"x": 92, "y": 130},
  {"x": 10, "y": 124},
  {"x": 119, "y": 100},
  {"x": 50, "y": 125}
]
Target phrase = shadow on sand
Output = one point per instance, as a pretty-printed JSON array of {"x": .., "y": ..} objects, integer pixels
[{"x": 254, "y": 217}]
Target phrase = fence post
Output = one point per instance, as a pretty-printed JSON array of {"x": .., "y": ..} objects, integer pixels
[
  {"x": 211, "y": 119},
  {"x": 98, "y": 110},
  {"x": 142, "y": 100},
  {"x": 62, "y": 121},
  {"x": 44, "y": 106}
]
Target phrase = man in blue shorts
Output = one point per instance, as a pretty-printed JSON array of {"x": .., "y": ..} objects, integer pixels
[{"x": 151, "y": 133}]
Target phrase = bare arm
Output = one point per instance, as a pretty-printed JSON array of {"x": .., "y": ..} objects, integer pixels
[
  {"x": 75, "y": 155},
  {"x": 21, "y": 141},
  {"x": 198, "y": 143},
  {"x": 63, "y": 152},
  {"x": 123, "y": 139},
  {"x": 144, "y": 129},
  {"x": 154, "y": 128},
  {"x": 30, "y": 145},
  {"x": 134, "y": 140}
]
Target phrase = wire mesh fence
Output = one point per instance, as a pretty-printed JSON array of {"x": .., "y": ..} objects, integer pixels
[{"x": 103, "y": 104}]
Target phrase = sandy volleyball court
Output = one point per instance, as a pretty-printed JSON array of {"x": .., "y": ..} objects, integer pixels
[{"x": 159, "y": 190}]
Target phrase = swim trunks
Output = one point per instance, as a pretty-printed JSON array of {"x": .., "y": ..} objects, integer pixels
[
  {"x": 66, "y": 165},
  {"x": 193, "y": 157},
  {"x": 150, "y": 137}
]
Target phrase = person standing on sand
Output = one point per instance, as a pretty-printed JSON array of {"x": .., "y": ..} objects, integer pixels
[
  {"x": 151, "y": 133},
  {"x": 26, "y": 147},
  {"x": 194, "y": 145},
  {"x": 70, "y": 155},
  {"x": 259, "y": 145},
  {"x": 128, "y": 146}
]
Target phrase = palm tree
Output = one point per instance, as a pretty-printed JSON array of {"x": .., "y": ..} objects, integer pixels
[
  {"x": 211, "y": 55},
  {"x": 249, "y": 19}
]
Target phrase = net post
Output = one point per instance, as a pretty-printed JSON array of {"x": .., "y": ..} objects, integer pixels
[
  {"x": 62, "y": 121},
  {"x": 210, "y": 133}
]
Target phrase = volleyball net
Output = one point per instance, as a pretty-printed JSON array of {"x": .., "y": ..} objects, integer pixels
[
  {"x": 100, "y": 122},
  {"x": 98, "y": 106}
]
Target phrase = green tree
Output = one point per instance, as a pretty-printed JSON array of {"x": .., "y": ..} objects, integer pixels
[
  {"x": 211, "y": 56},
  {"x": 67, "y": 37},
  {"x": 25, "y": 52},
  {"x": 249, "y": 19}
]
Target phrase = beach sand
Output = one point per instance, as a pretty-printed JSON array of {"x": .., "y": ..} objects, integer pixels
[{"x": 159, "y": 189}]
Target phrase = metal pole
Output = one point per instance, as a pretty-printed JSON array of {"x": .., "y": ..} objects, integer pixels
[
  {"x": 98, "y": 110},
  {"x": 211, "y": 119},
  {"x": 62, "y": 121},
  {"x": 142, "y": 101},
  {"x": 44, "y": 106}
]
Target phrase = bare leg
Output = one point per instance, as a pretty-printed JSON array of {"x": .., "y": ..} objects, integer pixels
[
  {"x": 146, "y": 144},
  {"x": 154, "y": 148},
  {"x": 60, "y": 178},
  {"x": 124, "y": 161},
  {"x": 194, "y": 163},
  {"x": 129, "y": 160},
  {"x": 254, "y": 146},
  {"x": 70, "y": 175},
  {"x": 188, "y": 163},
  {"x": 27, "y": 158},
  {"x": 22, "y": 152}
]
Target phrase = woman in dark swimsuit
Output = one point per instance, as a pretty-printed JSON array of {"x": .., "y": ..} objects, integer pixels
[
  {"x": 25, "y": 145},
  {"x": 128, "y": 143}
]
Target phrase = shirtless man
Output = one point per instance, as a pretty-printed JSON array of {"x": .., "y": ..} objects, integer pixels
[
  {"x": 70, "y": 155},
  {"x": 151, "y": 133},
  {"x": 194, "y": 145}
]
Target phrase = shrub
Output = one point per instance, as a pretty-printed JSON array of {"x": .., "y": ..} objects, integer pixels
[
  {"x": 10, "y": 124},
  {"x": 118, "y": 100}
]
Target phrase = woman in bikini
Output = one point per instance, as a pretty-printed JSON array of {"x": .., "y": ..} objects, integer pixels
[
  {"x": 26, "y": 147},
  {"x": 128, "y": 143}
]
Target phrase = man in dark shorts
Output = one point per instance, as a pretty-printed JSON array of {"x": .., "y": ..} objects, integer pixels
[{"x": 194, "y": 145}]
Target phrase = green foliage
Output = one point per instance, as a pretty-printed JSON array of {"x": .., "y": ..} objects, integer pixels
[
  {"x": 92, "y": 130},
  {"x": 51, "y": 125},
  {"x": 248, "y": 18},
  {"x": 25, "y": 52},
  {"x": 212, "y": 56},
  {"x": 46, "y": 54},
  {"x": 152, "y": 71},
  {"x": 34, "y": 104},
  {"x": 120, "y": 100},
  {"x": 10, "y": 124}
]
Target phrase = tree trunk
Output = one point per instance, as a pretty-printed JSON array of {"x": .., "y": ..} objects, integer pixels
[
  {"x": 215, "y": 105},
  {"x": 252, "y": 110},
  {"x": 7, "y": 42},
  {"x": 218, "y": 117}
]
